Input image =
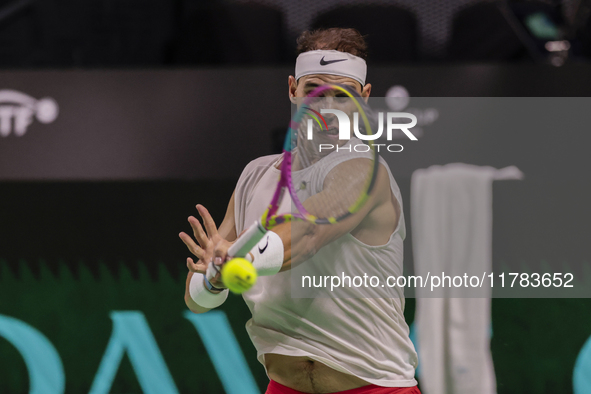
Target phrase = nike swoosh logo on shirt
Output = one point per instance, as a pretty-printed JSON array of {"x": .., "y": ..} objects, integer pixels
[
  {"x": 325, "y": 62},
  {"x": 265, "y": 248}
]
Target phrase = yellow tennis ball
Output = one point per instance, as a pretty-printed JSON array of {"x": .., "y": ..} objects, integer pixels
[{"x": 239, "y": 275}]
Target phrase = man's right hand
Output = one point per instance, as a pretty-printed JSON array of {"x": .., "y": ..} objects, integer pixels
[{"x": 208, "y": 245}]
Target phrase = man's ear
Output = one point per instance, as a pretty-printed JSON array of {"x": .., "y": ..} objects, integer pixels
[
  {"x": 293, "y": 85},
  {"x": 366, "y": 91}
]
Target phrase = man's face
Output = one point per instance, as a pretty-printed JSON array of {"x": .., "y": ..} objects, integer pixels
[{"x": 331, "y": 99}]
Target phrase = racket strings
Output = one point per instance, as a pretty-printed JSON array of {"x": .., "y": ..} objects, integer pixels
[
  {"x": 333, "y": 170},
  {"x": 342, "y": 187}
]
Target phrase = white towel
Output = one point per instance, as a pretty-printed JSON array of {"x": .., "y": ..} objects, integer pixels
[{"x": 451, "y": 214}]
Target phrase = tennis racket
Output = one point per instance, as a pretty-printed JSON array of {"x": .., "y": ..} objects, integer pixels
[{"x": 353, "y": 189}]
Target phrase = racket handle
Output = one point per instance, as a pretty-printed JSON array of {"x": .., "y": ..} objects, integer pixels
[
  {"x": 248, "y": 240},
  {"x": 241, "y": 247}
]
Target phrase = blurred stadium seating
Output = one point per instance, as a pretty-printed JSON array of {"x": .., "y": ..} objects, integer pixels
[
  {"x": 391, "y": 31},
  {"x": 156, "y": 33}
]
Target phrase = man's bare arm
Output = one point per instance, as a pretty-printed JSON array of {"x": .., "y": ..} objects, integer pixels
[
  {"x": 228, "y": 227},
  {"x": 301, "y": 240}
]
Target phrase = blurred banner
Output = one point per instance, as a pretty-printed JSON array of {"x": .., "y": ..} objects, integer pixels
[
  {"x": 117, "y": 332},
  {"x": 207, "y": 124}
]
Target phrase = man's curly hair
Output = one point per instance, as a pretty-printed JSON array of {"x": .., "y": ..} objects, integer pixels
[{"x": 344, "y": 40}]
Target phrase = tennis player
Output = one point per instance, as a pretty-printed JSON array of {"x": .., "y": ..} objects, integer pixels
[{"x": 322, "y": 345}]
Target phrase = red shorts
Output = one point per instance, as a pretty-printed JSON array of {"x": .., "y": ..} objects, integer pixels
[{"x": 276, "y": 388}]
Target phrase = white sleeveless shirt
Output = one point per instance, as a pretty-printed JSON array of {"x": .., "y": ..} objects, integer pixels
[{"x": 364, "y": 337}]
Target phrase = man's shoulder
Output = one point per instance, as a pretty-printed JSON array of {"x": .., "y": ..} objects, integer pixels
[
  {"x": 260, "y": 162},
  {"x": 256, "y": 168}
]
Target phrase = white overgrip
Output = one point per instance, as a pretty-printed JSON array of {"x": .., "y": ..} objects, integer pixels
[
  {"x": 248, "y": 240},
  {"x": 241, "y": 247}
]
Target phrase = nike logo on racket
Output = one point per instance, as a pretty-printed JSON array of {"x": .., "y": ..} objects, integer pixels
[
  {"x": 325, "y": 62},
  {"x": 265, "y": 248}
]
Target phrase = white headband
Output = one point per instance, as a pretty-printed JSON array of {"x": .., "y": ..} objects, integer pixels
[{"x": 331, "y": 62}]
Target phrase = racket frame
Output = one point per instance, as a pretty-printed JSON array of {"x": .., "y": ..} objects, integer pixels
[{"x": 270, "y": 219}]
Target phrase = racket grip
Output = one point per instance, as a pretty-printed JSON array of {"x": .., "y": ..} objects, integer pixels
[{"x": 248, "y": 240}]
